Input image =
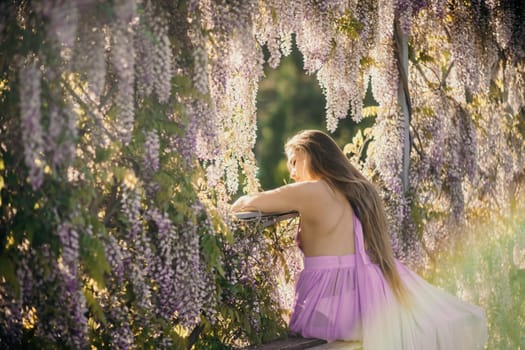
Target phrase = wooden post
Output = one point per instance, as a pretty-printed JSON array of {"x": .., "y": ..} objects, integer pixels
[{"x": 403, "y": 97}]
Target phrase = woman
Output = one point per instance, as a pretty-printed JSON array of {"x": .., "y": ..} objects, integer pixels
[{"x": 351, "y": 287}]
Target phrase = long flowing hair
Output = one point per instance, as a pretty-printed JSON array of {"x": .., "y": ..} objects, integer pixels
[{"x": 328, "y": 161}]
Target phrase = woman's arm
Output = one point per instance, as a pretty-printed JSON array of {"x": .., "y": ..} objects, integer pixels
[{"x": 292, "y": 197}]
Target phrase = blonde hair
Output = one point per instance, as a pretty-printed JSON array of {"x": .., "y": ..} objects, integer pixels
[{"x": 328, "y": 161}]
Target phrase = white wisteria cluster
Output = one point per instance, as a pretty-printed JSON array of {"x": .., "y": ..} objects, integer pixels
[
  {"x": 235, "y": 95},
  {"x": 385, "y": 75}
]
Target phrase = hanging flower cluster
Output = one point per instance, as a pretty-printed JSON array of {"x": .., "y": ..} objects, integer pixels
[
  {"x": 154, "y": 64},
  {"x": 452, "y": 111},
  {"x": 32, "y": 133},
  {"x": 61, "y": 310}
]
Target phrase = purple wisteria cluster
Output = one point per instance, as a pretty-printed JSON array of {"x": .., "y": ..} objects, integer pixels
[
  {"x": 200, "y": 69},
  {"x": 30, "y": 114},
  {"x": 314, "y": 39},
  {"x": 163, "y": 264},
  {"x": 56, "y": 145},
  {"x": 119, "y": 326},
  {"x": 10, "y": 317},
  {"x": 151, "y": 153},
  {"x": 188, "y": 273},
  {"x": 154, "y": 60},
  {"x": 338, "y": 67},
  {"x": 186, "y": 144},
  {"x": 116, "y": 257},
  {"x": 386, "y": 158},
  {"x": 234, "y": 65},
  {"x": 250, "y": 271},
  {"x": 162, "y": 59},
  {"x": 408, "y": 9},
  {"x": 140, "y": 270},
  {"x": 429, "y": 140},
  {"x": 139, "y": 249},
  {"x": 62, "y": 309},
  {"x": 506, "y": 21},
  {"x": 475, "y": 55},
  {"x": 62, "y": 26},
  {"x": 113, "y": 299},
  {"x": 276, "y": 32},
  {"x": 406, "y": 244},
  {"x": 226, "y": 21},
  {"x": 75, "y": 299},
  {"x": 90, "y": 54},
  {"x": 384, "y": 76},
  {"x": 131, "y": 207},
  {"x": 145, "y": 50},
  {"x": 184, "y": 286},
  {"x": 387, "y": 155},
  {"x": 123, "y": 61},
  {"x": 201, "y": 139},
  {"x": 61, "y": 135}
]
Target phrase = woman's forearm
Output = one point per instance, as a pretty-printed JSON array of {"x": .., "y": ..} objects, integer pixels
[
  {"x": 282, "y": 199},
  {"x": 243, "y": 204}
]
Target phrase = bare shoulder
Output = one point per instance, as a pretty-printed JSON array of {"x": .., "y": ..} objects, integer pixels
[
  {"x": 317, "y": 200},
  {"x": 308, "y": 190},
  {"x": 310, "y": 187}
]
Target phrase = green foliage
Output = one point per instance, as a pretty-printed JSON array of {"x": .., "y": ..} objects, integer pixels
[
  {"x": 94, "y": 258},
  {"x": 486, "y": 271},
  {"x": 289, "y": 101},
  {"x": 249, "y": 314},
  {"x": 349, "y": 25}
]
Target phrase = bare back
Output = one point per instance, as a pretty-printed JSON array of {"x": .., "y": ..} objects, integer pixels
[{"x": 327, "y": 226}]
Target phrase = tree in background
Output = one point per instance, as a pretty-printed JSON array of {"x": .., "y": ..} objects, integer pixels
[{"x": 288, "y": 101}]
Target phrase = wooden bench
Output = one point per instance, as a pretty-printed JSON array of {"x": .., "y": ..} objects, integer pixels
[
  {"x": 294, "y": 343},
  {"x": 291, "y": 343}
]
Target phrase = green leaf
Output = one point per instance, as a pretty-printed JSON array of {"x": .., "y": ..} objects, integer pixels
[
  {"x": 425, "y": 57},
  {"x": 102, "y": 154},
  {"x": 95, "y": 307},
  {"x": 8, "y": 271},
  {"x": 94, "y": 257}
]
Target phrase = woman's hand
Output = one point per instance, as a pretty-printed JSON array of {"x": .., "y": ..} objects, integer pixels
[{"x": 240, "y": 204}]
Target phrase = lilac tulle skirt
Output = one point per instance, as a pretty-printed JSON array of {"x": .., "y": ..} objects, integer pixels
[
  {"x": 348, "y": 298},
  {"x": 326, "y": 304}
]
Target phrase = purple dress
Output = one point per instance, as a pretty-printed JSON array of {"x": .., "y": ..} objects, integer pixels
[{"x": 348, "y": 298}]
